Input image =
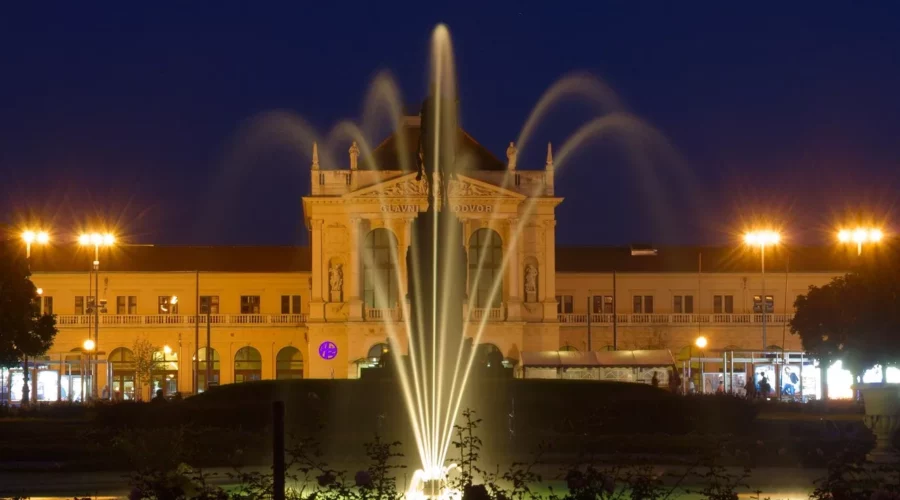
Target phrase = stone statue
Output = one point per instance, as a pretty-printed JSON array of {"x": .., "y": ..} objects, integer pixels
[
  {"x": 511, "y": 154},
  {"x": 531, "y": 274},
  {"x": 337, "y": 277}
]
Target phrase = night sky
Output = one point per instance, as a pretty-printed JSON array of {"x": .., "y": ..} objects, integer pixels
[{"x": 790, "y": 113}]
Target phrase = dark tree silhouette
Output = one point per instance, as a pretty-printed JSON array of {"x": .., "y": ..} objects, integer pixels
[
  {"x": 24, "y": 332},
  {"x": 855, "y": 318}
]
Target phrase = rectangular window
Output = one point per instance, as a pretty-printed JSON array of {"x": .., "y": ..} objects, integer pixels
[
  {"x": 723, "y": 304},
  {"x": 683, "y": 304},
  {"x": 564, "y": 304},
  {"x": 48, "y": 305},
  {"x": 757, "y": 304},
  {"x": 638, "y": 303},
  {"x": 167, "y": 304},
  {"x": 132, "y": 304},
  {"x": 209, "y": 304},
  {"x": 648, "y": 304},
  {"x": 121, "y": 307},
  {"x": 249, "y": 304},
  {"x": 602, "y": 304},
  {"x": 79, "y": 304},
  {"x": 290, "y": 304}
]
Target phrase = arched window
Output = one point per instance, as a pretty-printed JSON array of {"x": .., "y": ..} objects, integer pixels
[
  {"x": 289, "y": 364},
  {"x": 379, "y": 264},
  {"x": 213, "y": 372},
  {"x": 376, "y": 351},
  {"x": 567, "y": 347},
  {"x": 123, "y": 373},
  {"x": 485, "y": 263},
  {"x": 165, "y": 372},
  {"x": 487, "y": 354},
  {"x": 247, "y": 365}
]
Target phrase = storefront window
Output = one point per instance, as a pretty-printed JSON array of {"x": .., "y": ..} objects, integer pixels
[
  {"x": 214, "y": 369},
  {"x": 165, "y": 373}
]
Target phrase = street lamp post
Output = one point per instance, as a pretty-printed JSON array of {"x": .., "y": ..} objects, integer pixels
[
  {"x": 42, "y": 238},
  {"x": 763, "y": 239},
  {"x": 97, "y": 240},
  {"x": 859, "y": 236}
]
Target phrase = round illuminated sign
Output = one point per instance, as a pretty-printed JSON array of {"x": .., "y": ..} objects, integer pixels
[{"x": 327, "y": 350}]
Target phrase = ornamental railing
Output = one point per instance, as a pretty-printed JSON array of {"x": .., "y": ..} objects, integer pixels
[{"x": 579, "y": 319}]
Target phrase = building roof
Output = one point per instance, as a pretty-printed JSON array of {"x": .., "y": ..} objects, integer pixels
[
  {"x": 687, "y": 259},
  {"x": 151, "y": 258},
  {"x": 470, "y": 154},
  {"x": 285, "y": 259}
]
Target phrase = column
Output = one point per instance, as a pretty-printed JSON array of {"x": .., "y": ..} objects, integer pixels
[
  {"x": 316, "y": 302},
  {"x": 514, "y": 271},
  {"x": 548, "y": 272},
  {"x": 354, "y": 300}
]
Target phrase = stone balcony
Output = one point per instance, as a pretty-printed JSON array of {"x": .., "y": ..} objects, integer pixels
[
  {"x": 170, "y": 320},
  {"x": 749, "y": 319}
]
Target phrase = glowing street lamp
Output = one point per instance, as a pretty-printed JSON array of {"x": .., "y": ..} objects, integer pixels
[
  {"x": 701, "y": 342},
  {"x": 762, "y": 239},
  {"x": 167, "y": 350},
  {"x": 97, "y": 240},
  {"x": 89, "y": 345},
  {"x": 859, "y": 236},
  {"x": 30, "y": 237}
]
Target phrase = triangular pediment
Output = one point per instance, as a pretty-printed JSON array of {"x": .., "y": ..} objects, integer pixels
[{"x": 407, "y": 186}]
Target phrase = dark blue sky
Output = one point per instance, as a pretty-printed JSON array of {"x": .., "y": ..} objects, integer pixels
[{"x": 790, "y": 112}]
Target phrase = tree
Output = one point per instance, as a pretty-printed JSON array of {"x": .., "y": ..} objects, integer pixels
[
  {"x": 855, "y": 318},
  {"x": 24, "y": 332},
  {"x": 144, "y": 363}
]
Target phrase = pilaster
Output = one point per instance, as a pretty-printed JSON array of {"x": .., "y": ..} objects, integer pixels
[
  {"x": 316, "y": 302},
  {"x": 514, "y": 271},
  {"x": 354, "y": 285},
  {"x": 548, "y": 272}
]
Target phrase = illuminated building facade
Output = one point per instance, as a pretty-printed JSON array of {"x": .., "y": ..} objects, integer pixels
[{"x": 326, "y": 311}]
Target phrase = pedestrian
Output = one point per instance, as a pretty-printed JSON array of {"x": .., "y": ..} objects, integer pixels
[
  {"x": 764, "y": 386},
  {"x": 105, "y": 394},
  {"x": 750, "y": 389},
  {"x": 655, "y": 380},
  {"x": 721, "y": 388},
  {"x": 159, "y": 398}
]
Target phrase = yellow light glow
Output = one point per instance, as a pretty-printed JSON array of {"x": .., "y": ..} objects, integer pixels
[
  {"x": 167, "y": 350},
  {"x": 108, "y": 239},
  {"x": 844, "y": 236},
  {"x": 700, "y": 342},
  {"x": 762, "y": 238},
  {"x": 173, "y": 300},
  {"x": 28, "y": 237},
  {"x": 89, "y": 345},
  {"x": 43, "y": 238},
  {"x": 875, "y": 235},
  {"x": 96, "y": 239},
  {"x": 84, "y": 239},
  {"x": 860, "y": 235},
  {"x": 40, "y": 291}
]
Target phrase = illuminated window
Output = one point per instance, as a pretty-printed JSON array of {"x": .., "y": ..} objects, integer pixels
[
  {"x": 79, "y": 304},
  {"x": 167, "y": 305},
  {"x": 757, "y": 304},
  {"x": 249, "y": 304},
  {"x": 209, "y": 304},
  {"x": 247, "y": 365},
  {"x": 602, "y": 304},
  {"x": 486, "y": 253},
  {"x": 380, "y": 288}
]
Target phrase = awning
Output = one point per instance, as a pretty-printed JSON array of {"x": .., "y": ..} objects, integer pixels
[{"x": 646, "y": 358}]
